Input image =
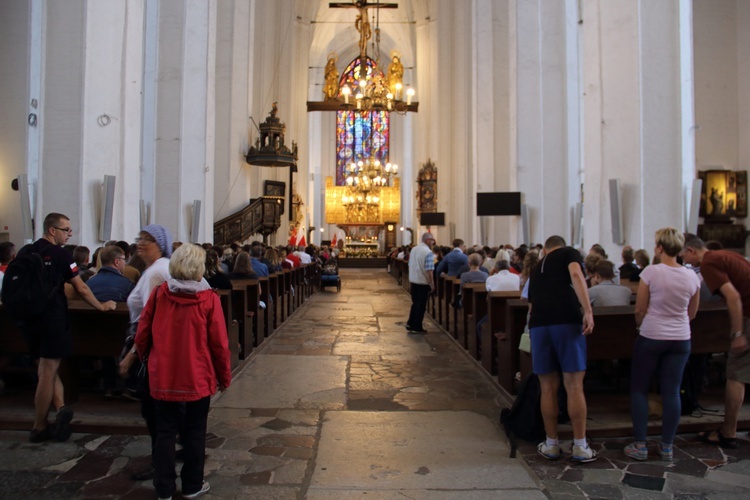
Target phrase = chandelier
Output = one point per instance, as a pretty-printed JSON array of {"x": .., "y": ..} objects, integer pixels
[
  {"x": 374, "y": 90},
  {"x": 368, "y": 175}
]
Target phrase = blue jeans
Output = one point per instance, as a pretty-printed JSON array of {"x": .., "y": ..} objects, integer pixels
[{"x": 668, "y": 359}]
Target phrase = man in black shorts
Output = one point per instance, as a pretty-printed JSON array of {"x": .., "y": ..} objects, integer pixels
[
  {"x": 49, "y": 335},
  {"x": 557, "y": 293}
]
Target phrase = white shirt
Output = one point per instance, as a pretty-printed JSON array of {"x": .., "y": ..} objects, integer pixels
[
  {"x": 503, "y": 281},
  {"x": 304, "y": 257},
  {"x": 152, "y": 277}
]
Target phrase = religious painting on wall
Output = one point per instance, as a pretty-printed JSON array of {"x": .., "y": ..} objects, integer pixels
[
  {"x": 427, "y": 188},
  {"x": 724, "y": 194}
]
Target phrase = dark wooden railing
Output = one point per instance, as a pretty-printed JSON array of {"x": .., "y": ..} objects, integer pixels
[{"x": 261, "y": 216}]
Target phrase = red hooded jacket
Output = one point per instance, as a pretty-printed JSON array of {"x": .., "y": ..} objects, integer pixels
[{"x": 189, "y": 348}]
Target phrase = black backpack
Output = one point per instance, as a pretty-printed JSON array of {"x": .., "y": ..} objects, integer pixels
[
  {"x": 28, "y": 288},
  {"x": 524, "y": 418}
]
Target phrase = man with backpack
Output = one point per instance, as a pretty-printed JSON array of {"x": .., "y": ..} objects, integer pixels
[
  {"x": 557, "y": 292},
  {"x": 34, "y": 294}
]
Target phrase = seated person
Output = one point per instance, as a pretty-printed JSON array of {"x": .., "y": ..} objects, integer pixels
[
  {"x": 475, "y": 274},
  {"x": 642, "y": 260},
  {"x": 81, "y": 255},
  {"x": 604, "y": 290},
  {"x": 628, "y": 266},
  {"x": 503, "y": 280},
  {"x": 110, "y": 284}
]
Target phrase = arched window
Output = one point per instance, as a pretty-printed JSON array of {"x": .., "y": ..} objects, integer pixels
[{"x": 359, "y": 134}]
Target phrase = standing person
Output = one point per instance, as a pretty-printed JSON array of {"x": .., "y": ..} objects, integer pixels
[
  {"x": 154, "y": 247},
  {"x": 727, "y": 273},
  {"x": 668, "y": 298},
  {"x": 557, "y": 292},
  {"x": 182, "y": 330},
  {"x": 421, "y": 282},
  {"x": 49, "y": 335}
]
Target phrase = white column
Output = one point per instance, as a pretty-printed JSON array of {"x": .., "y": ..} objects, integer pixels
[
  {"x": 547, "y": 134},
  {"x": 632, "y": 122}
]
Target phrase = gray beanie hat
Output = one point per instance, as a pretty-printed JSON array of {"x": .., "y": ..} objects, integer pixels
[{"x": 162, "y": 237}]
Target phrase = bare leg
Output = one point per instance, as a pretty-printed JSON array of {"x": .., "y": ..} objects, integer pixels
[
  {"x": 45, "y": 390},
  {"x": 576, "y": 402},
  {"x": 733, "y": 398},
  {"x": 549, "y": 384},
  {"x": 58, "y": 396}
]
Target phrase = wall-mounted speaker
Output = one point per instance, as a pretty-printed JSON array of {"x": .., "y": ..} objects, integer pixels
[
  {"x": 615, "y": 208},
  {"x": 525, "y": 231},
  {"x": 107, "y": 207},
  {"x": 694, "y": 208},
  {"x": 578, "y": 225},
  {"x": 26, "y": 222},
  {"x": 145, "y": 214},
  {"x": 196, "y": 226}
]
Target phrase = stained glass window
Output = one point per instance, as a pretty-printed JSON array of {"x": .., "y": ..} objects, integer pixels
[{"x": 359, "y": 134}]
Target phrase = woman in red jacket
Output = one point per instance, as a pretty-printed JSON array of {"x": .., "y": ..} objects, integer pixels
[{"x": 183, "y": 332}]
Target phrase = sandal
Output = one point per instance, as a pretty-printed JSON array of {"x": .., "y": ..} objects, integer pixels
[{"x": 723, "y": 441}]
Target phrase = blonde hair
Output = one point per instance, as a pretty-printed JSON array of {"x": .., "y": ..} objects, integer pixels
[
  {"x": 671, "y": 240},
  {"x": 188, "y": 262}
]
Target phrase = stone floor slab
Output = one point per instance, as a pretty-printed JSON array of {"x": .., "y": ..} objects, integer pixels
[
  {"x": 328, "y": 494},
  {"x": 436, "y": 450},
  {"x": 297, "y": 382}
]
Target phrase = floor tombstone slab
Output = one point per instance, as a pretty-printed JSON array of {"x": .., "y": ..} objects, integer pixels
[{"x": 441, "y": 450}]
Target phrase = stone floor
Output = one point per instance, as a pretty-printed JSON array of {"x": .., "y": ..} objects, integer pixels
[{"x": 342, "y": 403}]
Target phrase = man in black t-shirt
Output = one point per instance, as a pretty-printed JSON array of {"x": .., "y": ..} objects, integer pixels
[
  {"x": 48, "y": 335},
  {"x": 557, "y": 292}
]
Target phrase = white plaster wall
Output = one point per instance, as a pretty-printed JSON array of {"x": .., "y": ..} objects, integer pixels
[
  {"x": 662, "y": 187},
  {"x": 716, "y": 82},
  {"x": 14, "y": 109},
  {"x": 543, "y": 131},
  {"x": 743, "y": 87},
  {"x": 61, "y": 181},
  {"x": 107, "y": 105}
]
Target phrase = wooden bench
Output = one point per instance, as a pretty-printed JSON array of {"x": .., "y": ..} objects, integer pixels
[{"x": 615, "y": 333}]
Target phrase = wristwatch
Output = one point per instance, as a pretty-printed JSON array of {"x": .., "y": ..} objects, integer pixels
[{"x": 735, "y": 335}]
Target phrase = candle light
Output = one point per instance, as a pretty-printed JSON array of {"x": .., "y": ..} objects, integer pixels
[
  {"x": 409, "y": 94},
  {"x": 346, "y": 91}
]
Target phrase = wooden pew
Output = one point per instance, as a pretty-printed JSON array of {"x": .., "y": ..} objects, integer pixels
[
  {"x": 469, "y": 318},
  {"x": 615, "y": 333},
  {"x": 456, "y": 313},
  {"x": 275, "y": 305},
  {"x": 239, "y": 314},
  {"x": 233, "y": 327},
  {"x": 265, "y": 327},
  {"x": 494, "y": 328}
]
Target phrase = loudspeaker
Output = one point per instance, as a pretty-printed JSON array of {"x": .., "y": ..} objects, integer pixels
[
  {"x": 145, "y": 214},
  {"x": 107, "y": 206},
  {"x": 196, "y": 226},
  {"x": 694, "y": 208},
  {"x": 615, "y": 210},
  {"x": 578, "y": 226},
  {"x": 525, "y": 232},
  {"x": 23, "y": 189}
]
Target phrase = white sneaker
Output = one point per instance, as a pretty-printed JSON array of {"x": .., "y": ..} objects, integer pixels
[
  {"x": 549, "y": 452},
  {"x": 200, "y": 492},
  {"x": 583, "y": 455}
]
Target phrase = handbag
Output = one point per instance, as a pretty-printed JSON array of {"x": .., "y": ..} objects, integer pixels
[{"x": 525, "y": 343}]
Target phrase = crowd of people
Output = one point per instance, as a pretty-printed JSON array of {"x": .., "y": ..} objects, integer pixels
[
  {"x": 563, "y": 285},
  {"x": 168, "y": 287},
  {"x": 176, "y": 354}
]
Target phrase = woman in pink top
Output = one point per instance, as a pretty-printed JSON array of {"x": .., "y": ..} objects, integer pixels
[{"x": 667, "y": 300}]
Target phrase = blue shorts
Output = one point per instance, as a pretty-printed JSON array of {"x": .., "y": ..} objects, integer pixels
[{"x": 558, "y": 348}]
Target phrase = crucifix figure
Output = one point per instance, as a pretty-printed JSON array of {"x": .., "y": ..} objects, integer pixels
[{"x": 362, "y": 23}]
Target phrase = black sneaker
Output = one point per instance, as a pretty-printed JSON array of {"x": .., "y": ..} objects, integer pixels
[
  {"x": 37, "y": 436},
  {"x": 62, "y": 424}
]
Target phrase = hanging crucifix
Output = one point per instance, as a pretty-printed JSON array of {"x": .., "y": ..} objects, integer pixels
[{"x": 362, "y": 23}]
